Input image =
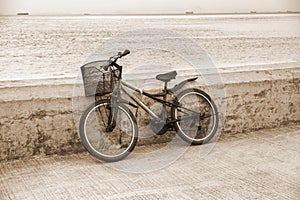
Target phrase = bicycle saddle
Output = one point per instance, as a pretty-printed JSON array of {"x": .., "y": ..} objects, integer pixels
[{"x": 166, "y": 77}]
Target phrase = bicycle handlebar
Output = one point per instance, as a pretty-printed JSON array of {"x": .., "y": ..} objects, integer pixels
[
  {"x": 113, "y": 59},
  {"x": 125, "y": 53}
]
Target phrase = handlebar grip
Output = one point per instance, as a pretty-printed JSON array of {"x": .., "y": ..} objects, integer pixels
[{"x": 126, "y": 52}]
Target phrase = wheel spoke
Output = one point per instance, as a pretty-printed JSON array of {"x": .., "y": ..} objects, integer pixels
[
  {"x": 196, "y": 118},
  {"x": 108, "y": 134}
]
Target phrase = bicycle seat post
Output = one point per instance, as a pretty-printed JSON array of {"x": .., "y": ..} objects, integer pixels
[
  {"x": 165, "y": 86},
  {"x": 165, "y": 91}
]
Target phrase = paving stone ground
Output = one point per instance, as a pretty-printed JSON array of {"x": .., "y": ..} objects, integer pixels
[{"x": 258, "y": 165}]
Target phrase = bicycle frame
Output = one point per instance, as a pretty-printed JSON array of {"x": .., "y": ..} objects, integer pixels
[
  {"x": 152, "y": 96},
  {"x": 121, "y": 86}
]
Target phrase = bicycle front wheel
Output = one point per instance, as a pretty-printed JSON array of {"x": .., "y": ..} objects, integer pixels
[
  {"x": 196, "y": 117},
  {"x": 108, "y": 133}
]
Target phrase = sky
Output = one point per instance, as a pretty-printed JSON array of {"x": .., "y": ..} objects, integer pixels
[{"x": 144, "y": 6}]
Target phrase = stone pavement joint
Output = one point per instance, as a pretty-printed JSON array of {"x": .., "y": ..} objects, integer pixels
[{"x": 259, "y": 165}]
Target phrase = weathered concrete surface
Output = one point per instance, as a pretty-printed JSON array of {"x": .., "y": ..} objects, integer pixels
[
  {"x": 264, "y": 99},
  {"x": 37, "y": 127},
  {"x": 38, "y": 119},
  {"x": 257, "y": 165}
]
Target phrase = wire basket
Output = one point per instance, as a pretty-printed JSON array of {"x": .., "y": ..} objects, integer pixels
[{"x": 96, "y": 80}]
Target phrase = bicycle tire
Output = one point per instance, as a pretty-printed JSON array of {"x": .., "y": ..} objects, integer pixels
[
  {"x": 202, "y": 126},
  {"x": 103, "y": 143}
]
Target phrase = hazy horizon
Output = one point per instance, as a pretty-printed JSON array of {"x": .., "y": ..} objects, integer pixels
[{"x": 37, "y": 7}]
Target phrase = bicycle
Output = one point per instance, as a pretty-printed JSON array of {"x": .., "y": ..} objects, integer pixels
[{"x": 108, "y": 129}]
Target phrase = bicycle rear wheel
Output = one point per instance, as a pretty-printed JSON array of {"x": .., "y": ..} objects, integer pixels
[
  {"x": 196, "y": 117},
  {"x": 108, "y": 133}
]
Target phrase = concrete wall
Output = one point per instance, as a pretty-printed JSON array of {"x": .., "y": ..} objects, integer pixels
[{"x": 38, "y": 119}]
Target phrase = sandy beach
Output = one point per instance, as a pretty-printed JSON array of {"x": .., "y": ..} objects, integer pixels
[{"x": 42, "y": 47}]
